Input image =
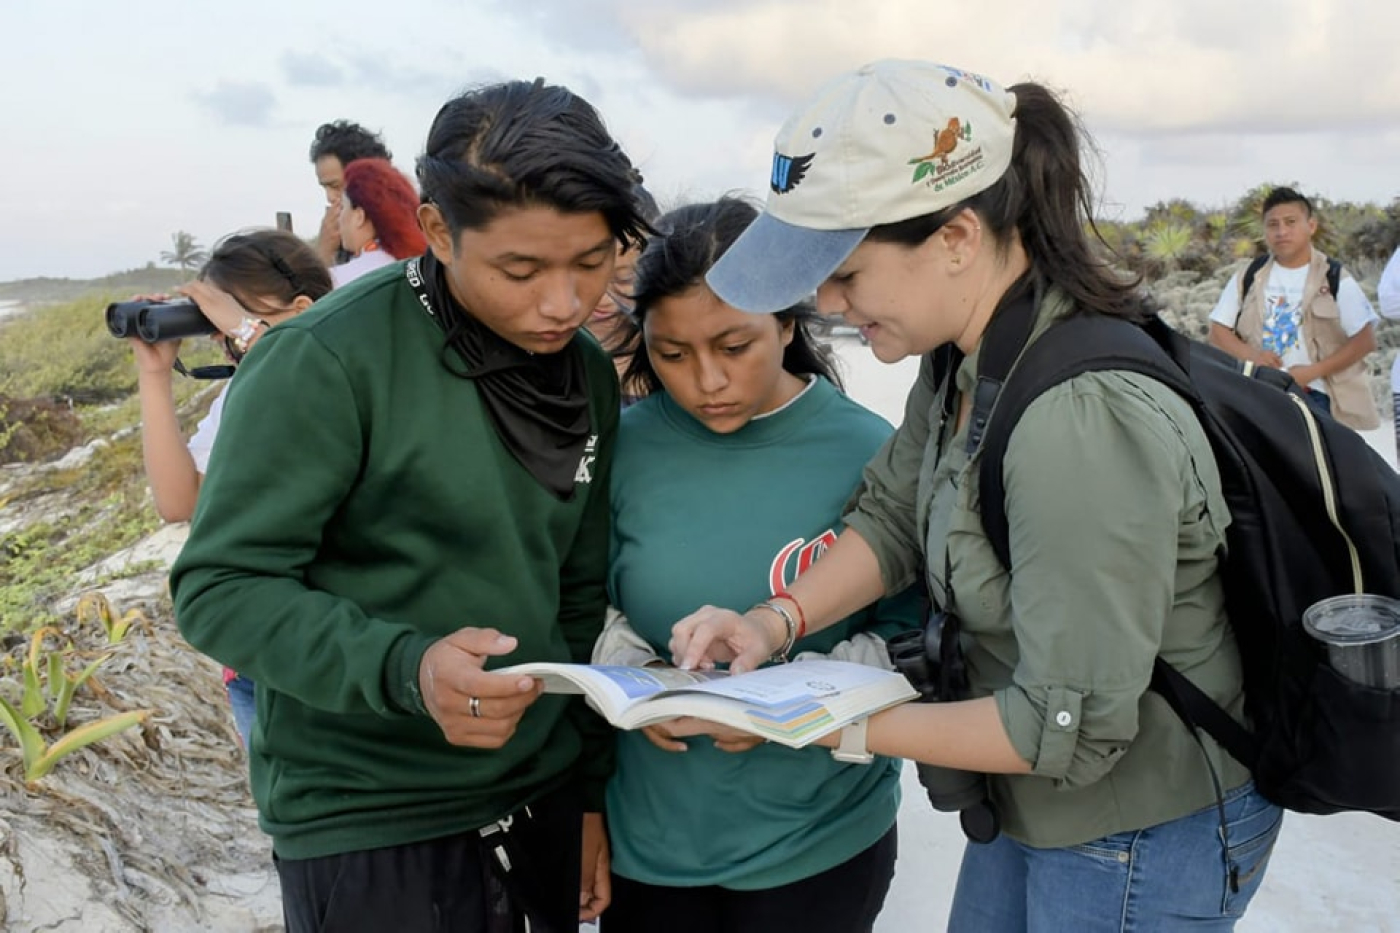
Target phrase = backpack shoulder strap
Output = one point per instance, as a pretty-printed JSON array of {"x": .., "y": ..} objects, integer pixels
[
  {"x": 1080, "y": 344},
  {"x": 1250, "y": 271},
  {"x": 1006, "y": 336},
  {"x": 1334, "y": 276}
]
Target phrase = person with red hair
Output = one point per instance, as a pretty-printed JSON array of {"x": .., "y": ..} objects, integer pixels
[{"x": 378, "y": 218}]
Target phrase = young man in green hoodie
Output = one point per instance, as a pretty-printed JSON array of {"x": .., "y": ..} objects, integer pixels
[{"x": 410, "y": 488}]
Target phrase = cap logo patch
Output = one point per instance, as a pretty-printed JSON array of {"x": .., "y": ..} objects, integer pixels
[
  {"x": 788, "y": 171},
  {"x": 939, "y": 168},
  {"x": 958, "y": 74}
]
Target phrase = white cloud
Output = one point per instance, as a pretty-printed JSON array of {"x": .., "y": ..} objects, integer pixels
[
  {"x": 1183, "y": 65},
  {"x": 310, "y": 69},
  {"x": 238, "y": 103},
  {"x": 112, "y": 146}
]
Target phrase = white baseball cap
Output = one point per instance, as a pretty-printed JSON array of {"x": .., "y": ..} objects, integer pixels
[{"x": 891, "y": 141}]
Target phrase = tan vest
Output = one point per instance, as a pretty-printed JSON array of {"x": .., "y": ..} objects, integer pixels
[{"x": 1349, "y": 388}]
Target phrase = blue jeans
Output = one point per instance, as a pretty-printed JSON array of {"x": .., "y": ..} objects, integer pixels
[
  {"x": 240, "y": 699},
  {"x": 1166, "y": 878}
]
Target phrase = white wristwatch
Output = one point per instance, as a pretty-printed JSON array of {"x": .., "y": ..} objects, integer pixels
[{"x": 852, "y": 749}]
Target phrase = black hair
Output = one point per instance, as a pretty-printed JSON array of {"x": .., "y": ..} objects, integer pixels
[
  {"x": 347, "y": 142},
  {"x": 646, "y": 204},
  {"x": 1045, "y": 197},
  {"x": 255, "y": 266},
  {"x": 522, "y": 143},
  {"x": 690, "y": 241},
  {"x": 1282, "y": 195}
]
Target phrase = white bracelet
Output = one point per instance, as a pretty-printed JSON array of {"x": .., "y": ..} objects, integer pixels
[
  {"x": 245, "y": 330},
  {"x": 243, "y": 335}
]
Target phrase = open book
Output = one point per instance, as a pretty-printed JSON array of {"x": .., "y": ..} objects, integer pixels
[{"x": 794, "y": 704}]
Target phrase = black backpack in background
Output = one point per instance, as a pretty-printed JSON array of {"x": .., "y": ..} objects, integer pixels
[{"x": 1315, "y": 512}]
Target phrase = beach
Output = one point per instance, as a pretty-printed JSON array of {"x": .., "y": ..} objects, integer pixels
[{"x": 1334, "y": 873}]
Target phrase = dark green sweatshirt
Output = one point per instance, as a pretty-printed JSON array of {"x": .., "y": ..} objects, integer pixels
[{"x": 359, "y": 506}]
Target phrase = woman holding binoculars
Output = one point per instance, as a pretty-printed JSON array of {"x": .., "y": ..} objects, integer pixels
[{"x": 251, "y": 282}]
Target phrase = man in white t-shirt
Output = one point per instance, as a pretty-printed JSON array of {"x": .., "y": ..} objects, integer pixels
[{"x": 1290, "y": 319}]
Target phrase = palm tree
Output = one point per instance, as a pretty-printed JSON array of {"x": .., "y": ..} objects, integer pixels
[{"x": 187, "y": 252}]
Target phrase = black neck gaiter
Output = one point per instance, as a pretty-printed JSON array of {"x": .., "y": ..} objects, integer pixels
[{"x": 538, "y": 402}]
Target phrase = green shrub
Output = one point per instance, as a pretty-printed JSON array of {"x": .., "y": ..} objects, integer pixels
[
  {"x": 145, "y": 281},
  {"x": 39, "y": 561},
  {"x": 36, "y": 429},
  {"x": 65, "y": 351}
]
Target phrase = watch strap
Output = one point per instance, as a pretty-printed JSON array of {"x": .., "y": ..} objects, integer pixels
[{"x": 853, "y": 749}]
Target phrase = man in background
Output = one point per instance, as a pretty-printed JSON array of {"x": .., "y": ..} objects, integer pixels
[
  {"x": 1297, "y": 310},
  {"x": 336, "y": 145}
]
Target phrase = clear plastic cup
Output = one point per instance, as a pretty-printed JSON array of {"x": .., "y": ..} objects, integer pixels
[{"x": 1362, "y": 635}]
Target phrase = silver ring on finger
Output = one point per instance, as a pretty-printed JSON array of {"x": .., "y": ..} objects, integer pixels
[{"x": 474, "y": 707}]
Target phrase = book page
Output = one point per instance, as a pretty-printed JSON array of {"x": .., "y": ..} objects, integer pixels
[
  {"x": 612, "y": 688},
  {"x": 786, "y": 683},
  {"x": 793, "y": 704}
]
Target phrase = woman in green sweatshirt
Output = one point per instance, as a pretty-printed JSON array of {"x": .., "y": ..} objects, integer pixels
[
  {"x": 722, "y": 834},
  {"x": 409, "y": 487},
  {"x": 923, "y": 202}
]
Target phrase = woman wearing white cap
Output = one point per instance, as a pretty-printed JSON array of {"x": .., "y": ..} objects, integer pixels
[{"x": 924, "y": 203}]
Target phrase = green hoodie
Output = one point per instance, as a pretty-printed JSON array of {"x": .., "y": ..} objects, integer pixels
[{"x": 358, "y": 507}]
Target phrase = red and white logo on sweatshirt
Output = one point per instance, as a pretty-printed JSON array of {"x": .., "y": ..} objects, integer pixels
[{"x": 785, "y": 568}]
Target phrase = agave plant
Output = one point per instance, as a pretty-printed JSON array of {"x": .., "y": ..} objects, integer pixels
[
  {"x": 40, "y": 757},
  {"x": 62, "y": 685},
  {"x": 97, "y": 606},
  {"x": 1168, "y": 242},
  {"x": 47, "y": 684}
]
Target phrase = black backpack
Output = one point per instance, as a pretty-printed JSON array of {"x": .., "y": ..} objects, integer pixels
[
  {"x": 1334, "y": 275},
  {"x": 1315, "y": 512}
]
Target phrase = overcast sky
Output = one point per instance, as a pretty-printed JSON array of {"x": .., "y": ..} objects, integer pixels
[{"x": 124, "y": 122}]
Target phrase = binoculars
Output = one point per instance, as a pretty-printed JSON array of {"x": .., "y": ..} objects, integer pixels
[
  {"x": 157, "y": 321},
  {"x": 917, "y": 655}
]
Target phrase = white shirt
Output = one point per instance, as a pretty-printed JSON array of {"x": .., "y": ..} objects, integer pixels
[
  {"x": 1388, "y": 296},
  {"x": 365, "y": 262},
  {"x": 1283, "y": 313},
  {"x": 203, "y": 440}
]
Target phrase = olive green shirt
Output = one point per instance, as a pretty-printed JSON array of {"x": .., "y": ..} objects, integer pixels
[{"x": 1116, "y": 519}]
